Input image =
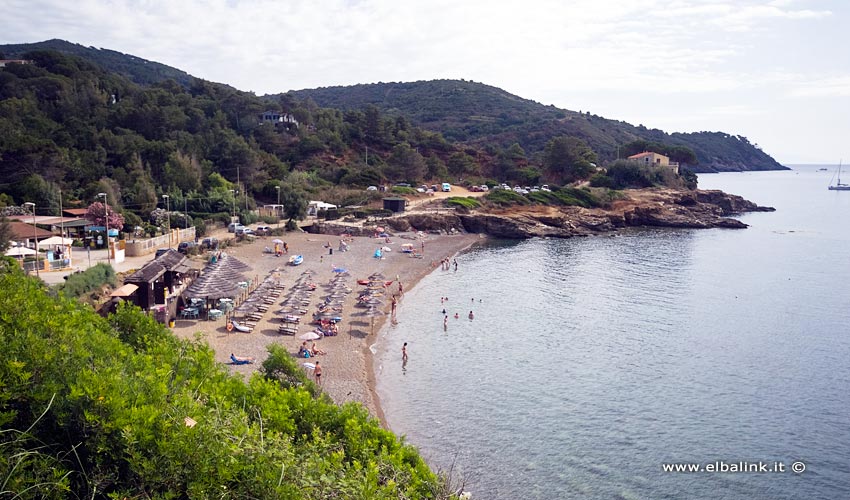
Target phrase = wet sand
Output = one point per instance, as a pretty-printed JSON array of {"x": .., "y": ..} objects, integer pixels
[{"x": 347, "y": 372}]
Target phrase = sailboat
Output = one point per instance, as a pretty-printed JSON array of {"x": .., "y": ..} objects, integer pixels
[{"x": 839, "y": 186}]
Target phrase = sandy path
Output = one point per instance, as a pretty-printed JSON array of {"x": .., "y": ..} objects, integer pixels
[{"x": 347, "y": 368}]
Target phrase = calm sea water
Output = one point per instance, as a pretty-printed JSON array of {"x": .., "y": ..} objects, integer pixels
[{"x": 591, "y": 362}]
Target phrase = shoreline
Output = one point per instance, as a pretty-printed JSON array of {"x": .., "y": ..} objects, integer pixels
[
  {"x": 349, "y": 367},
  {"x": 371, "y": 376}
]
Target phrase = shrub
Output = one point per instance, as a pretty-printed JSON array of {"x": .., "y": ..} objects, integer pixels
[
  {"x": 467, "y": 203},
  {"x": 121, "y": 408},
  {"x": 403, "y": 190},
  {"x": 505, "y": 197},
  {"x": 93, "y": 278}
]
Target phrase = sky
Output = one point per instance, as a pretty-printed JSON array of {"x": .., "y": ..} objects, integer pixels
[{"x": 774, "y": 71}]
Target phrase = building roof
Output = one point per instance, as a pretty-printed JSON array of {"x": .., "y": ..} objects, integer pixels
[
  {"x": 641, "y": 155},
  {"x": 23, "y": 231},
  {"x": 171, "y": 260},
  {"x": 147, "y": 274},
  {"x": 125, "y": 290},
  {"x": 75, "y": 212}
]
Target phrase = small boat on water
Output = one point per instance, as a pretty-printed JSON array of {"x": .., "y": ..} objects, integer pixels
[
  {"x": 296, "y": 260},
  {"x": 838, "y": 186}
]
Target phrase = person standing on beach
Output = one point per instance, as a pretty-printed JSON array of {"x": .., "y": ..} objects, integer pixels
[
  {"x": 404, "y": 352},
  {"x": 393, "y": 305},
  {"x": 318, "y": 372},
  {"x": 471, "y": 316},
  {"x": 445, "y": 322},
  {"x": 455, "y": 263}
]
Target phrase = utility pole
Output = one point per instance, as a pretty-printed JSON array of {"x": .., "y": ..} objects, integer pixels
[
  {"x": 277, "y": 208},
  {"x": 106, "y": 224},
  {"x": 34, "y": 236},
  {"x": 168, "y": 213}
]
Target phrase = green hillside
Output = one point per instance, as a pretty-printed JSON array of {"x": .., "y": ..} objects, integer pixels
[
  {"x": 134, "y": 68},
  {"x": 482, "y": 115}
]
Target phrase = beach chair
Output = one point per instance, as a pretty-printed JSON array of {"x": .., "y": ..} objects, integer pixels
[
  {"x": 239, "y": 327},
  {"x": 287, "y": 330}
]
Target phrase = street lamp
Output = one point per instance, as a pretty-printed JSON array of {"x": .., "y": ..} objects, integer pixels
[
  {"x": 34, "y": 235},
  {"x": 168, "y": 213},
  {"x": 106, "y": 224},
  {"x": 277, "y": 208}
]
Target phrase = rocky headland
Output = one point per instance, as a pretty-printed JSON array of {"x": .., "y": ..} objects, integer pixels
[{"x": 656, "y": 207}]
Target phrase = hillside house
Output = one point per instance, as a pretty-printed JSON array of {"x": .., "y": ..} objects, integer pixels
[
  {"x": 7, "y": 62},
  {"x": 278, "y": 118},
  {"x": 656, "y": 159}
]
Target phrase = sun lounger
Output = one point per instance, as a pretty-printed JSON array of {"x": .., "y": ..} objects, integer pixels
[
  {"x": 241, "y": 327},
  {"x": 287, "y": 330}
]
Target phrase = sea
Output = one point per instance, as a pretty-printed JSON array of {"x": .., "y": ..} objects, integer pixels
[{"x": 594, "y": 365}]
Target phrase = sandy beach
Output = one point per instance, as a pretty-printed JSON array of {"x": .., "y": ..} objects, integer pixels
[{"x": 347, "y": 367}]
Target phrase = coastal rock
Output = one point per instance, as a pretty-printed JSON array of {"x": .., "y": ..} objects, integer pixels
[
  {"x": 729, "y": 203},
  {"x": 679, "y": 216},
  {"x": 650, "y": 207}
]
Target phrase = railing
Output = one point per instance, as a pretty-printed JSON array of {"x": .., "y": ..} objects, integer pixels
[{"x": 144, "y": 247}]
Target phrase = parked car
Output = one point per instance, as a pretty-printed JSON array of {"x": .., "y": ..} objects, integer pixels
[
  {"x": 233, "y": 226},
  {"x": 245, "y": 231},
  {"x": 475, "y": 189},
  {"x": 185, "y": 247},
  {"x": 403, "y": 184},
  {"x": 544, "y": 187},
  {"x": 446, "y": 187},
  {"x": 484, "y": 187},
  {"x": 209, "y": 243},
  {"x": 421, "y": 189},
  {"x": 372, "y": 188},
  {"x": 263, "y": 230}
]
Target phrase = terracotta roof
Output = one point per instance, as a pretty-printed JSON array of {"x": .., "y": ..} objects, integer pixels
[
  {"x": 23, "y": 231},
  {"x": 75, "y": 212},
  {"x": 641, "y": 155}
]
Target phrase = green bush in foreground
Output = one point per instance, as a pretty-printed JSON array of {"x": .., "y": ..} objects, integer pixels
[
  {"x": 120, "y": 408},
  {"x": 78, "y": 284}
]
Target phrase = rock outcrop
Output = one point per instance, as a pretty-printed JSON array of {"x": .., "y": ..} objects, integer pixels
[{"x": 652, "y": 207}]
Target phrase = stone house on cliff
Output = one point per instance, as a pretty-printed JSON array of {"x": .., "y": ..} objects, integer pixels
[{"x": 655, "y": 159}]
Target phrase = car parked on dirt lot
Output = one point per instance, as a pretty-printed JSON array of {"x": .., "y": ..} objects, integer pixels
[
  {"x": 263, "y": 230},
  {"x": 186, "y": 247},
  {"x": 209, "y": 243}
]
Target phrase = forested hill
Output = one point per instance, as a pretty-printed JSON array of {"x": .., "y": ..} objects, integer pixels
[
  {"x": 136, "y": 69},
  {"x": 480, "y": 114}
]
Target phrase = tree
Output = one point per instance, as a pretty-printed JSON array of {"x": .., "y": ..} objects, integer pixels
[
  {"x": 96, "y": 212},
  {"x": 182, "y": 170},
  {"x": 436, "y": 168},
  {"x": 405, "y": 163},
  {"x": 294, "y": 202},
  {"x": 460, "y": 164},
  {"x": 567, "y": 159},
  {"x": 5, "y": 235}
]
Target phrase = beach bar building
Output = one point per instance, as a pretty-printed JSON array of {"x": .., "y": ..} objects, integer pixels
[
  {"x": 161, "y": 281},
  {"x": 395, "y": 204}
]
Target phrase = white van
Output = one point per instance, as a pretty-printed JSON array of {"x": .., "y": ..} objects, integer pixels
[{"x": 447, "y": 187}]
